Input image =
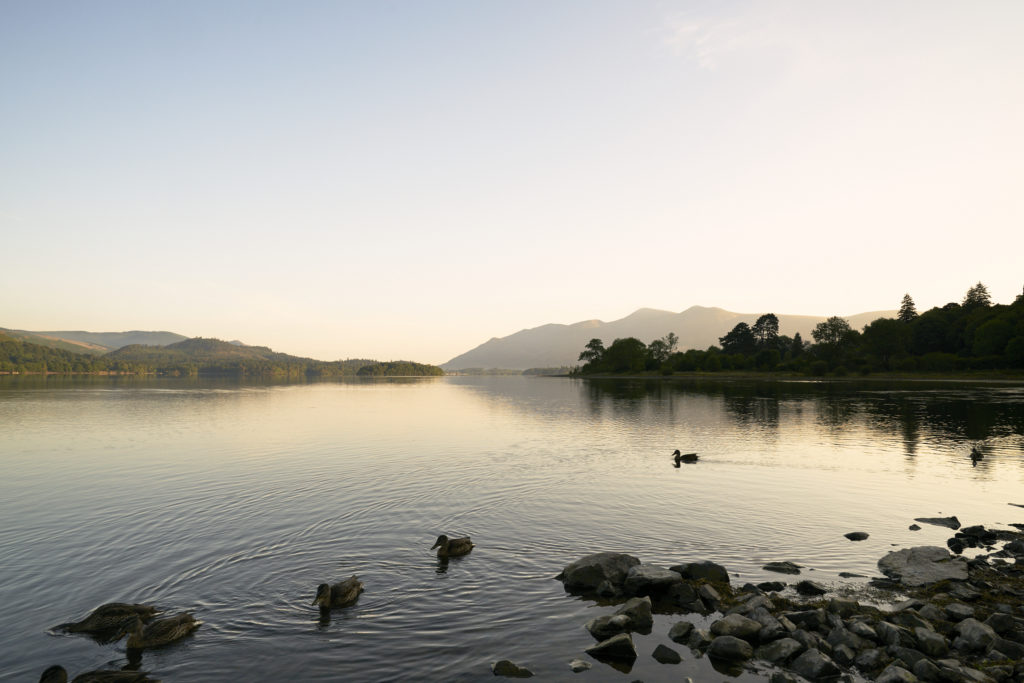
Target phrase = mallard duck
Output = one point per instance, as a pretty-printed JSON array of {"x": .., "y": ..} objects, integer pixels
[
  {"x": 684, "y": 457},
  {"x": 57, "y": 674},
  {"x": 159, "y": 632},
  {"x": 109, "y": 618},
  {"x": 452, "y": 547},
  {"x": 341, "y": 594}
]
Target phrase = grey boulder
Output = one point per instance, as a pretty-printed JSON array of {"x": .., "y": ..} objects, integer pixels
[
  {"x": 706, "y": 570},
  {"x": 923, "y": 565},
  {"x": 647, "y": 579},
  {"x": 736, "y": 625},
  {"x": 730, "y": 648},
  {"x": 587, "y": 573}
]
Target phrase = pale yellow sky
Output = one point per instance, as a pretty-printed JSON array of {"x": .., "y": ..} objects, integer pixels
[{"x": 406, "y": 181}]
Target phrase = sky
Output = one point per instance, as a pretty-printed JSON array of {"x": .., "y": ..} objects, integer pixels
[{"x": 407, "y": 179}]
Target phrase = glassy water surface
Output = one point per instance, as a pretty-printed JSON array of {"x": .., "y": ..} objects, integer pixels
[{"x": 236, "y": 500}]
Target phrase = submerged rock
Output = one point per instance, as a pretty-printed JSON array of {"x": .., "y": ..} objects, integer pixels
[
  {"x": 504, "y": 667},
  {"x": 923, "y": 565},
  {"x": 578, "y": 665},
  {"x": 782, "y": 567},
  {"x": 948, "y": 522},
  {"x": 857, "y": 535}
]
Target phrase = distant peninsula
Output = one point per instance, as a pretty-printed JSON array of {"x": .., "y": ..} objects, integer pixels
[
  {"x": 973, "y": 336},
  {"x": 23, "y": 352}
]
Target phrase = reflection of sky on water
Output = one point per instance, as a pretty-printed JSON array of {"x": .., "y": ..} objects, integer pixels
[{"x": 231, "y": 497}]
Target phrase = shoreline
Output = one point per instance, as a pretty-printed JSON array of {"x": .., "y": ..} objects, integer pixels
[
  {"x": 936, "y": 616},
  {"x": 797, "y": 377}
]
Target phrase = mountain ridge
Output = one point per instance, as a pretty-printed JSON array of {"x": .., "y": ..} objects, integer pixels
[{"x": 698, "y": 327}]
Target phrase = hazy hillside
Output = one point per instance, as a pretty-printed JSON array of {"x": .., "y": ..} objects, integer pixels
[
  {"x": 197, "y": 350},
  {"x": 698, "y": 327},
  {"x": 95, "y": 342}
]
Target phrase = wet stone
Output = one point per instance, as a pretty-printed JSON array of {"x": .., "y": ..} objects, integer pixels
[
  {"x": 730, "y": 648},
  {"x": 504, "y": 667},
  {"x": 680, "y": 631},
  {"x": 779, "y": 650},
  {"x": 896, "y": 674},
  {"x": 782, "y": 567},
  {"x": 814, "y": 664},
  {"x": 811, "y": 588},
  {"x": 666, "y": 655},
  {"x": 772, "y": 586}
]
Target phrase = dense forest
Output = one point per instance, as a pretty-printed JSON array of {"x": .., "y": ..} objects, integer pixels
[
  {"x": 973, "y": 335},
  {"x": 193, "y": 357}
]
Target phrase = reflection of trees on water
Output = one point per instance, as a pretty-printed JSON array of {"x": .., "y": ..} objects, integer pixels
[{"x": 908, "y": 411}]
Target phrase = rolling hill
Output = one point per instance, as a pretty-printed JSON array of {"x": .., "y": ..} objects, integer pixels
[
  {"x": 96, "y": 343},
  {"x": 698, "y": 327}
]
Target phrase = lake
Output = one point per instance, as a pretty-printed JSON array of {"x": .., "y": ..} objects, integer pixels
[{"x": 235, "y": 500}]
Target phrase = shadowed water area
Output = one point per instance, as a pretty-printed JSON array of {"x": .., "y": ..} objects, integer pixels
[{"x": 235, "y": 500}]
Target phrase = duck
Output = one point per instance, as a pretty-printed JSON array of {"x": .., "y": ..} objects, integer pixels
[
  {"x": 684, "y": 457},
  {"x": 976, "y": 454},
  {"x": 452, "y": 547},
  {"x": 57, "y": 674},
  {"x": 341, "y": 594},
  {"x": 160, "y": 631},
  {"x": 105, "y": 621}
]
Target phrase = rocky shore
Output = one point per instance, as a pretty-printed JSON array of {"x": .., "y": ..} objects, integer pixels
[{"x": 943, "y": 617}]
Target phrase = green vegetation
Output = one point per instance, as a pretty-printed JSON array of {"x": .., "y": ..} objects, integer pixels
[
  {"x": 193, "y": 357},
  {"x": 972, "y": 336}
]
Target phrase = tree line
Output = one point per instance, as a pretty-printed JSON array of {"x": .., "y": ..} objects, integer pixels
[
  {"x": 197, "y": 357},
  {"x": 973, "y": 335}
]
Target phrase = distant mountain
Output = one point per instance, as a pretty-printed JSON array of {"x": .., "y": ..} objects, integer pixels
[
  {"x": 698, "y": 327},
  {"x": 199, "y": 350},
  {"x": 96, "y": 343}
]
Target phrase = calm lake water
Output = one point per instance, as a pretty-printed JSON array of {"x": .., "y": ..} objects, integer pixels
[{"x": 236, "y": 500}]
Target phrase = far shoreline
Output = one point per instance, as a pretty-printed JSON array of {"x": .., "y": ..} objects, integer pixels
[{"x": 964, "y": 378}]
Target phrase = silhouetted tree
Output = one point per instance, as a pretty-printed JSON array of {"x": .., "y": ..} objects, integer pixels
[
  {"x": 766, "y": 331},
  {"x": 886, "y": 339},
  {"x": 739, "y": 340},
  {"x": 977, "y": 296},
  {"x": 626, "y": 355},
  {"x": 834, "y": 338},
  {"x": 594, "y": 351},
  {"x": 798, "y": 345},
  {"x": 907, "y": 310}
]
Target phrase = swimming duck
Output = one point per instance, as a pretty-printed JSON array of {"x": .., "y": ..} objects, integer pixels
[
  {"x": 341, "y": 594},
  {"x": 159, "y": 632},
  {"x": 57, "y": 674},
  {"x": 976, "y": 454},
  {"x": 105, "y": 622},
  {"x": 684, "y": 457},
  {"x": 452, "y": 547}
]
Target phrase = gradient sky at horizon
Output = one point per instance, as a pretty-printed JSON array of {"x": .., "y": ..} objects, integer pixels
[{"x": 408, "y": 179}]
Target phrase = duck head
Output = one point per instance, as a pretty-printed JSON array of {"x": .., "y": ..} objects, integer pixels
[
  {"x": 54, "y": 674},
  {"x": 441, "y": 542},
  {"x": 323, "y": 595}
]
